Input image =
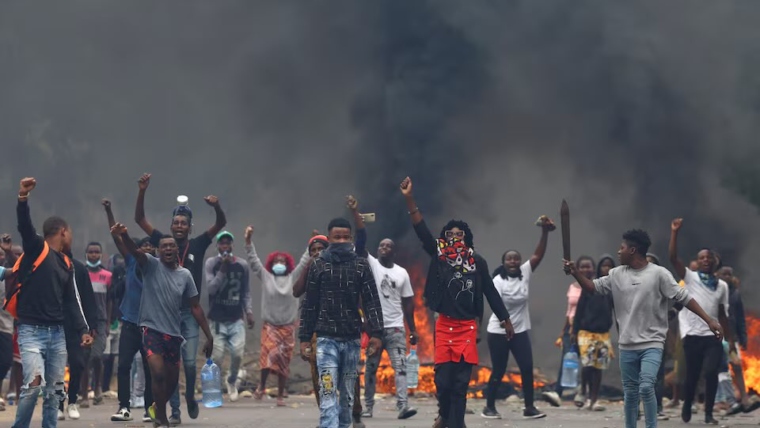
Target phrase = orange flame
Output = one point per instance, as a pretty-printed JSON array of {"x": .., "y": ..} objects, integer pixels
[{"x": 751, "y": 357}]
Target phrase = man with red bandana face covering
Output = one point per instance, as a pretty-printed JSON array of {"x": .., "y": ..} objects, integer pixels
[{"x": 457, "y": 280}]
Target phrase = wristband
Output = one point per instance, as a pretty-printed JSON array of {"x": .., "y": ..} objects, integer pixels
[{"x": 414, "y": 211}]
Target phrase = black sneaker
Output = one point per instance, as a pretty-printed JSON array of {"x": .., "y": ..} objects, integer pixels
[
  {"x": 367, "y": 413},
  {"x": 192, "y": 409},
  {"x": 407, "y": 412},
  {"x": 709, "y": 420},
  {"x": 175, "y": 420},
  {"x": 490, "y": 413},
  {"x": 533, "y": 413},
  {"x": 734, "y": 409},
  {"x": 661, "y": 416},
  {"x": 686, "y": 413}
]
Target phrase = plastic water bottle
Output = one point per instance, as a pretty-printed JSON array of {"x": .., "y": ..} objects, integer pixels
[
  {"x": 412, "y": 369},
  {"x": 211, "y": 383},
  {"x": 570, "y": 366}
]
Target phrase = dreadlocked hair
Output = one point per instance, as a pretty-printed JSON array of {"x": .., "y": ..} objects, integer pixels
[
  {"x": 459, "y": 224},
  {"x": 289, "y": 262}
]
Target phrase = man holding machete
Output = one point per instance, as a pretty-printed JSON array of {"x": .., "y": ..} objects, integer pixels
[{"x": 641, "y": 294}]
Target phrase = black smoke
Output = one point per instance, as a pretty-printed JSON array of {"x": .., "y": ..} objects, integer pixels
[{"x": 635, "y": 112}]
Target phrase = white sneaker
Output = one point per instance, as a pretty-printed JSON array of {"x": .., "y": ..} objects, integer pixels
[
  {"x": 60, "y": 416},
  {"x": 121, "y": 416},
  {"x": 73, "y": 411},
  {"x": 552, "y": 398},
  {"x": 232, "y": 391}
]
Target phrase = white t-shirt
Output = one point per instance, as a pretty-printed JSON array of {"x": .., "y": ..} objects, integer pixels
[
  {"x": 392, "y": 285},
  {"x": 690, "y": 323},
  {"x": 514, "y": 294}
]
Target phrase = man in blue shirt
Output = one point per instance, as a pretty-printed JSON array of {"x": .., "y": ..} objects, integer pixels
[{"x": 130, "y": 342}]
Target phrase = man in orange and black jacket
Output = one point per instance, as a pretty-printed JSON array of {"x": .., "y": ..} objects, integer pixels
[{"x": 47, "y": 297}]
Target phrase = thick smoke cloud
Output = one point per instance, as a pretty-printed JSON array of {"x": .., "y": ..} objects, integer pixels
[{"x": 498, "y": 110}]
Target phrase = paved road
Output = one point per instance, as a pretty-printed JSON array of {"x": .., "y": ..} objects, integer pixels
[{"x": 302, "y": 413}]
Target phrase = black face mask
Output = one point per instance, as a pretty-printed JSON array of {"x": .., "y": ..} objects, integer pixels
[{"x": 339, "y": 252}]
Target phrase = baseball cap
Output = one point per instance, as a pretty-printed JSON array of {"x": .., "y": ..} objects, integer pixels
[{"x": 223, "y": 234}]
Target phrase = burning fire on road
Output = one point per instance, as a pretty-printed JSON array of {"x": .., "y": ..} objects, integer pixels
[
  {"x": 424, "y": 322},
  {"x": 751, "y": 357}
]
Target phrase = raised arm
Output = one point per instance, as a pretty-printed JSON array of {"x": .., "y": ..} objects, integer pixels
[
  {"x": 221, "y": 219},
  {"x": 111, "y": 222},
  {"x": 140, "y": 219},
  {"x": 303, "y": 263},
  {"x": 299, "y": 287},
  {"x": 547, "y": 225},
  {"x": 310, "y": 307},
  {"x": 246, "y": 294},
  {"x": 253, "y": 259},
  {"x": 214, "y": 280},
  {"x": 678, "y": 265},
  {"x": 370, "y": 302},
  {"x": 420, "y": 228},
  {"x": 30, "y": 241},
  {"x": 129, "y": 244},
  {"x": 360, "y": 242}
]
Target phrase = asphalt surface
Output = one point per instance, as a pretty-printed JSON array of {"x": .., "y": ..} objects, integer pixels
[{"x": 302, "y": 412}]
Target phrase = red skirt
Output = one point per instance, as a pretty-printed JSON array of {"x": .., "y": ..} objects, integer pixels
[{"x": 455, "y": 339}]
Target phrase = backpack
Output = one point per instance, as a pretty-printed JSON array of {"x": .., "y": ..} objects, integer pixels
[{"x": 19, "y": 275}]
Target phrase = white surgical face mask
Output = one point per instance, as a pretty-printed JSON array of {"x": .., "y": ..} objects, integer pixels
[{"x": 279, "y": 269}]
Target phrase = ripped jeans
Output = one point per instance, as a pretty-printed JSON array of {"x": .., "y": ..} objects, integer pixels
[
  {"x": 43, "y": 354},
  {"x": 394, "y": 343},
  {"x": 336, "y": 364}
]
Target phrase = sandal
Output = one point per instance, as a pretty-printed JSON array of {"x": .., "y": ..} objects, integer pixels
[
  {"x": 281, "y": 402},
  {"x": 258, "y": 394}
]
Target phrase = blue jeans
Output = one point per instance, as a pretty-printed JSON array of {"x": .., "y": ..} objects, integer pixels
[
  {"x": 336, "y": 362},
  {"x": 638, "y": 370},
  {"x": 190, "y": 331},
  {"x": 229, "y": 335},
  {"x": 43, "y": 354}
]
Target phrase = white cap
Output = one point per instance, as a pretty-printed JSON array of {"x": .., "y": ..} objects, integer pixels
[{"x": 182, "y": 199}]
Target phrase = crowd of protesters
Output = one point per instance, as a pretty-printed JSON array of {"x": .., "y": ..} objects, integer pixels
[{"x": 138, "y": 314}]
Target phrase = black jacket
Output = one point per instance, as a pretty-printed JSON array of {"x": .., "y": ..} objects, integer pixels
[
  {"x": 439, "y": 296},
  {"x": 331, "y": 305},
  {"x": 48, "y": 295},
  {"x": 86, "y": 294}
]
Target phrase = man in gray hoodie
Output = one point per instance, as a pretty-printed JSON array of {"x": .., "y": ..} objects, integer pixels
[{"x": 641, "y": 293}]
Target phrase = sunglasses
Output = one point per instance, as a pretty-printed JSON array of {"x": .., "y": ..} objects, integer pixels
[{"x": 451, "y": 234}]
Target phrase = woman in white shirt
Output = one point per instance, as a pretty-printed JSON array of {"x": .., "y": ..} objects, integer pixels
[
  {"x": 702, "y": 350},
  {"x": 512, "y": 281}
]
